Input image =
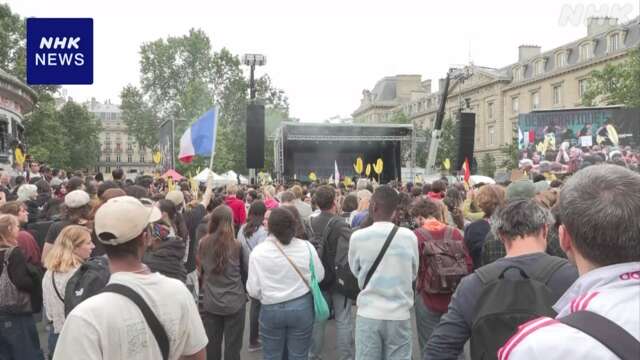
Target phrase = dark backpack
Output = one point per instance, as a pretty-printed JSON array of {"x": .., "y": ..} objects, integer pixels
[
  {"x": 504, "y": 304},
  {"x": 88, "y": 280},
  {"x": 345, "y": 282},
  {"x": 446, "y": 264}
]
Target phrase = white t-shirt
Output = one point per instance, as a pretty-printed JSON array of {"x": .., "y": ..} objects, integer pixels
[
  {"x": 52, "y": 303},
  {"x": 111, "y": 327},
  {"x": 272, "y": 279}
]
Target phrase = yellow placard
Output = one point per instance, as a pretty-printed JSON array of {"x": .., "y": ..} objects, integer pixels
[
  {"x": 20, "y": 158},
  {"x": 378, "y": 166},
  {"x": 358, "y": 166},
  {"x": 312, "y": 176},
  {"x": 157, "y": 157},
  {"x": 368, "y": 170},
  {"x": 447, "y": 164}
]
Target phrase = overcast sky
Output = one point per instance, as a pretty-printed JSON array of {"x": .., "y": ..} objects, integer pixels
[{"x": 324, "y": 53}]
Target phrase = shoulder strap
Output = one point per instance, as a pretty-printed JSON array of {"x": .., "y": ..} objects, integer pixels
[
  {"x": 292, "y": 264},
  {"x": 488, "y": 273},
  {"x": 53, "y": 282},
  {"x": 425, "y": 233},
  {"x": 547, "y": 267},
  {"x": 380, "y": 255},
  {"x": 605, "y": 331},
  {"x": 154, "y": 324}
]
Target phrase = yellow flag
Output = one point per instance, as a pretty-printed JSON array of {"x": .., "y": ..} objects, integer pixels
[
  {"x": 157, "y": 157},
  {"x": 347, "y": 181},
  {"x": 447, "y": 164},
  {"x": 378, "y": 166},
  {"x": 170, "y": 184},
  {"x": 312, "y": 176},
  {"x": 358, "y": 166},
  {"x": 20, "y": 158},
  {"x": 368, "y": 171}
]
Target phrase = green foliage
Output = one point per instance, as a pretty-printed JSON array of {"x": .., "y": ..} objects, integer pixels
[
  {"x": 488, "y": 165},
  {"x": 511, "y": 153},
  {"x": 447, "y": 147},
  {"x": 181, "y": 78},
  {"x": 616, "y": 84},
  {"x": 67, "y": 138}
]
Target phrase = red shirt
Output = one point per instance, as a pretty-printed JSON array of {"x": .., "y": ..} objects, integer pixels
[
  {"x": 436, "y": 302},
  {"x": 237, "y": 208},
  {"x": 27, "y": 243}
]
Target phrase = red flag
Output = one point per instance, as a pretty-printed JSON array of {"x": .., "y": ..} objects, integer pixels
[{"x": 467, "y": 170}]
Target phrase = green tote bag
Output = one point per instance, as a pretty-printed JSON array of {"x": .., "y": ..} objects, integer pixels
[{"x": 319, "y": 302}]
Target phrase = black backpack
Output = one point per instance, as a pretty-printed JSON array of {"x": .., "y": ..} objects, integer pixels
[
  {"x": 337, "y": 258},
  {"x": 88, "y": 280},
  {"x": 505, "y": 303}
]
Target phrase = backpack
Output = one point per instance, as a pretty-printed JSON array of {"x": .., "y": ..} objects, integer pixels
[
  {"x": 90, "y": 278},
  {"x": 345, "y": 282},
  {"x": 504, "y": 303},
  {"x": 445, "y": 263}
]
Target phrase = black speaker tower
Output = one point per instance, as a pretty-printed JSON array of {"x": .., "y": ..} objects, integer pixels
[
  {"x": 466, "y": 132},
  {"x": 255, "y": 136}
]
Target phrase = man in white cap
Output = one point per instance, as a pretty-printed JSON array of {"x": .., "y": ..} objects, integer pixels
[{"x": 114, "y": 324}]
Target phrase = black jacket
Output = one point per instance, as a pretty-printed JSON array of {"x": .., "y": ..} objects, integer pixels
[
  {"x": 328, "y": 250},
  {"x": 167, "y": 259}
]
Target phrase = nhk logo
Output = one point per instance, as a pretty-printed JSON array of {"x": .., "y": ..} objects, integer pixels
[{"x": 59, "y": 51}]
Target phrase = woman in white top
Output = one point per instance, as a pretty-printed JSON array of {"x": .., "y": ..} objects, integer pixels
[
  {"x": 279, "y": 271},
  {"x": 71, "y": 248}
]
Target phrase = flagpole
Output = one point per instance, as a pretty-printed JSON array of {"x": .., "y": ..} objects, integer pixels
[{"x": 213, "y": 145}]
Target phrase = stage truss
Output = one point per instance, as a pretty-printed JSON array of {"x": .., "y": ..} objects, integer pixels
[{"x": 278, "y": 144}]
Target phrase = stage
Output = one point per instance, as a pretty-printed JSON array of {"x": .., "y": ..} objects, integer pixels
[{"x": 301, "y": 148}]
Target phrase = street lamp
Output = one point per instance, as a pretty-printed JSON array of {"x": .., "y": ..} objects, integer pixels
[{"x": 253, "y": 60}]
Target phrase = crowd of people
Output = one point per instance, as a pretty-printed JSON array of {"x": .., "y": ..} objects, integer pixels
[{"x": 122, "y": 269}]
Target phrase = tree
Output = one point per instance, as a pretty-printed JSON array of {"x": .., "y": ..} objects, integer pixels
[
  {"x": 511, "y": 153},
  {"x": 488, "y": 165},
  {"x": 64, "y": 139},
  {"x": 616, "y": 84},
  {"x": 12, "y": 42},
  {"x": 447, "y": 145},
  {"x": 181, "y": 78}
]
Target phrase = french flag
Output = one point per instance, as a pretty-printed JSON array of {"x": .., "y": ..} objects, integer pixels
[{"x": 200, "y": 137}]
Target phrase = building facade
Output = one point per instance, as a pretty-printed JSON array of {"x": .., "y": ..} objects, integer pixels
[
  {"x": 118, "y": 146},
  {"x": 16, "y": 100},
  {"x": 377, "y": 105},
  {"x": 554, "y": 79}
]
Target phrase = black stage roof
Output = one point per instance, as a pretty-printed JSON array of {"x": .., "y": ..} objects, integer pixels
[{"x": 347, "y": 132}]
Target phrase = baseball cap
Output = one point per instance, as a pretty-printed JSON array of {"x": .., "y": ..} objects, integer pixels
[
  {"x": 521, "y": 189},
  {"x": 122, "y": 219},
  {"x": 176, "y": 197},
  {"x": 76, "y": 199}
]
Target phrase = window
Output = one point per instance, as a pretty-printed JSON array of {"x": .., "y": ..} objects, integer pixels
[
  {"x": 586, "y": 51},
  {"x": 129, "y": 158},
  {"x": 583, "y": 85},
  {"x": 515, "y": 105},
  {"x": 118, "y": 157},
  {"x": 517, "y": 73},
  {"x": 490, "y": 110},
  {"x": 561, "y": 59},
  {"x": 557, "y": 95},
  {"x": 613, "y": 42},
  {"x": 492, "y": 134},
  {"x": 535, "y": 100},
  {"x": 142, "y": 157},
  {"x": 538, "y": 67},
  {"x": 107, "y": 169},
  {"x": 107, "y": 159}
]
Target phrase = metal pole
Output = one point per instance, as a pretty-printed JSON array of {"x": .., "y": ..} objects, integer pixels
[
  {"x": 173, "y": 143},
  {"x": 252, "y": 96}
]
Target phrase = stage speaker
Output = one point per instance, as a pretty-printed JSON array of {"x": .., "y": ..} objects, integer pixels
[
  {"x": 465, "y": 138},
  {"x": 255, "y": 136}
]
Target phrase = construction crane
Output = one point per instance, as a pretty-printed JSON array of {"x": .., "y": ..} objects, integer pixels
[{"x": 460, "y": 74}]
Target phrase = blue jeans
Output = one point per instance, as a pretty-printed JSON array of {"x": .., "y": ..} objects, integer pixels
[
  {"x": 426, "y": 322},
  {"x": 19, "y": 338},
  {"x": 53, "y": 340},
  {"x": 383, "y": 339},
  {"x": 343, "y": 310},
  {"x": 285, "y": 329}
]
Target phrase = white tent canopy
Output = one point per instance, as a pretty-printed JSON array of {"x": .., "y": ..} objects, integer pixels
[
  {"x": 477, "y": 179},
  {"x": 217, "y": 179}
]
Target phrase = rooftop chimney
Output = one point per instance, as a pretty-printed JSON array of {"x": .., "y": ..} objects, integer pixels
[
  {"x": 600, "y": 24},
  {"x": 526, "y": 52}
]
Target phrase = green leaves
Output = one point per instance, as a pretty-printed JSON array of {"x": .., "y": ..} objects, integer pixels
[
  {"x": 67, "y": 138},
  {"x": 181, "y": 78},
  {"x": 617, "y": 84},
  {"x": 488, "y": 165}
]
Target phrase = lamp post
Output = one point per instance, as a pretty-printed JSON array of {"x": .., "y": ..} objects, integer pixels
[{"x": 253, "y": 60}]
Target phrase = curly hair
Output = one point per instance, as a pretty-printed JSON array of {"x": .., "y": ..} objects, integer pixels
[{"x": 490, "y": 198}]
